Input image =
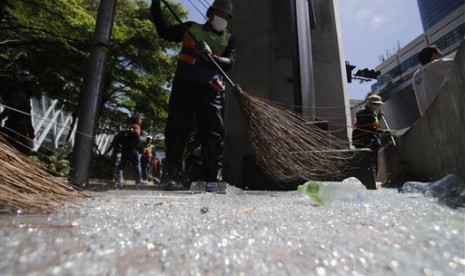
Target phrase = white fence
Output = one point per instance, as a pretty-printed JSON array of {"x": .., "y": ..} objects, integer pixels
[{"x": 52, "y": 126}]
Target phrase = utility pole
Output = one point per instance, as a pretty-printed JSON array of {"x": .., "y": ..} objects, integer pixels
[{"x": 92, "y": 94}]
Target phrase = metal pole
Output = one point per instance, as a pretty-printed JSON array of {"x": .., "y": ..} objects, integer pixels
[
  {"x": 92, "y": 94},
  {"x": 303, "y": 58}
]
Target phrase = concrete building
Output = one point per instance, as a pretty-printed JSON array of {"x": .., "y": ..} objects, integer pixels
[{"x": 290, "y": 53}]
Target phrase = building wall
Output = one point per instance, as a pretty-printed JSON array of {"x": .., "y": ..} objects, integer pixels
[
  {"x": 332, "y": 101},
  {"x": 264, "y": 69}
]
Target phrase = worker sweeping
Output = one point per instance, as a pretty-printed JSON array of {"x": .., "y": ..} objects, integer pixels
[
  {"x": 197, "y": 94},
  {"x": 367, "y": 132}
]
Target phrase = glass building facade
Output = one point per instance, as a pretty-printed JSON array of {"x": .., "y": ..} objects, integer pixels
[{"x": 432, "y": 11}]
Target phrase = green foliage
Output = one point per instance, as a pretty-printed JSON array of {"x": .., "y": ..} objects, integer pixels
[
  {"x": 46, "y": 47},
  {"x": 48, "y": 43},
  {"x": 102, "y": 167},
  {"x": 53, "y": 164}
]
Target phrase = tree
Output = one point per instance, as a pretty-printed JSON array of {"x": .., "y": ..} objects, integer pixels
[
  {"x": 47, "y": 47},
  {"x": 51, "y": 49}
]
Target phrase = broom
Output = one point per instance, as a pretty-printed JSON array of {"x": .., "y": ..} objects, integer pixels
[
  {"x": 287, "y": 147},
  {"x": 26, "y": 188}
]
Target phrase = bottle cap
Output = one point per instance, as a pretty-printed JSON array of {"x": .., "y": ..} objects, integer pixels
[{"x": 299, "y": 189}]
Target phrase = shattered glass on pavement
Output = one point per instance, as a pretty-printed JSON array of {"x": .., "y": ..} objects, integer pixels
[{"x": 237, "y": 233}]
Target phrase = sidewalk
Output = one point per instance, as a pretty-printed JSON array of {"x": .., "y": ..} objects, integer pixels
[
  {"x": 155, "y": 232},
  {"x": 99, "y": 185}
]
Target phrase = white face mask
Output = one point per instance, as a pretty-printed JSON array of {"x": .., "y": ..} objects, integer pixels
[
  {"x": 374, "y": 107},
  {"x": 219, "y": 23}
]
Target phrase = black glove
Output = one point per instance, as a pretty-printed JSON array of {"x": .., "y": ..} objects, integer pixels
[
  {"x": 221, "y": 60},
  {"x": 156, "y": 6},
  {"x": 394, "y": 133},
  {"x": 237, "y": 90}
]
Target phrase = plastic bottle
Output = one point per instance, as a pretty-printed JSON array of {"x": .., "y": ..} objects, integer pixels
[
  {"x": 415, "y": 187},
  {"x": 450, "y": 184},
  {"x": 323, "y": 193},
  {"x": 198, "y": 187},
  {"x": 216, "y": 187}
]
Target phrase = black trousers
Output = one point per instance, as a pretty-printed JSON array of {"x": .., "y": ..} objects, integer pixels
[
  {"x": 372, "y": 142},
  {"x": 194, "y": 105}
]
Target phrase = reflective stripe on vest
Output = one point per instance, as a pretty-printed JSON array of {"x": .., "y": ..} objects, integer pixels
[{"x": 376, "y": 122}]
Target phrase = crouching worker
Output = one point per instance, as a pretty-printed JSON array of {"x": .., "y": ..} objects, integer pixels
[{"x": 367, "y": 132}]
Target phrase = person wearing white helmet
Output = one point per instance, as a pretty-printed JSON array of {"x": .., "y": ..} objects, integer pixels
[
  {"x": 146, "y": 158},
  {"x": 366, "y": 132},
  {"x": 198, "y": 87}
]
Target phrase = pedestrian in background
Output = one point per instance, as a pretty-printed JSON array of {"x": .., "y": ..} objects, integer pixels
[
  {"x": 136, "y": 125},
  {"x": 428, "y": 79},
  {"x": 130, "y": 154},
  {"x": 115, "y": 148},
  {"x": 147, "y": 158},
  {"x": 198, "y": 86}
]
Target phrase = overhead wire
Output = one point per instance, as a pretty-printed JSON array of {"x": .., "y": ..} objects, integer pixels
[
  {"x": 197, "y": 8},
  {"x": 55, "y": 152},
  {"x": 46, "y": 120},
  {"x": 204, "y": 3},
  {"x": 331, "y": 120},
  {"x": 322, "y": 111}
]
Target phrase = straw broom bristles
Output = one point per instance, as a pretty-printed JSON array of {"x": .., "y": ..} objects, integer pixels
[
  {"x": 26, "y": 188},
  {"x": 288, "y": 148}
]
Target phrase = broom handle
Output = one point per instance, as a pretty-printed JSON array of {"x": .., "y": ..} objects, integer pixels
[
  {"x": 228, "y": 79},
  {"x": 387, "y": 126}
]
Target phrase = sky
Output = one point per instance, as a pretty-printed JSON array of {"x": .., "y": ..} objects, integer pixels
[{"x": 370, "y": 28}]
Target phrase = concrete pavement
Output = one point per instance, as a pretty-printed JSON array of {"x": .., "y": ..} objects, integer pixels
[{"x": 155, "y": 232}]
